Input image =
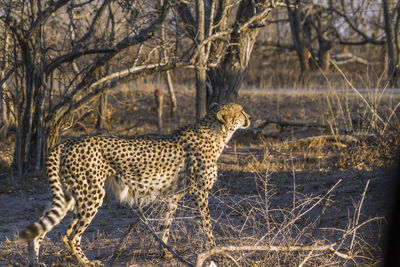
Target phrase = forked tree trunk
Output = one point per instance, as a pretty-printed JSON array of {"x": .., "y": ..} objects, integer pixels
[
  {"x": 325, "y": 46},
  {"x": 226, "y": 78},
  {"x": 31, "y": 133}
]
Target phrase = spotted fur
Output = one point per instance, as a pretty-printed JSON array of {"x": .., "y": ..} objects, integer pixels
[{"x": 137, "y": 169}]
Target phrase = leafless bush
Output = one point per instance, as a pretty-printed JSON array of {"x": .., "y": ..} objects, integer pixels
[{"x": 263, "y": 229}]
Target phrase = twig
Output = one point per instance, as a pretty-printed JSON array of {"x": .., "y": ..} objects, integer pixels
[
  {"x": 355, "y": 223},
  {"x": 117, "y": 251},
  {"x": 304, "y": 212},
  {"x": 348, "y": 232},
  {"x": 306, "y": 258},
  {"x": 294, "y": 182},
  {"x": 372, "y": 109},
  {"x": 174, "y": 254}
]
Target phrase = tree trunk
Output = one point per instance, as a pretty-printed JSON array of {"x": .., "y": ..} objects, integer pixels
[
  {"x": 392, "y": 43},
  {"x": 226, "y": 78},
  {"x": 31, "y": 143},
  {"x": 298, "y": 40},
  {"x": 4, "y": 118},
  {"x": 200, "y": 70},
  {"x": 168, "y": 78},
  {"x": 4, "y": 121},
  {"x": 324, "y": 49},
  {"x": 171, "y": 92},
  {"x": 31, "y": 137},
  {"x": 102, "y": 111},
  {"x": 28, "y": 114},
  {"x": 158, "y": 97},
  {"x": 201, "y": 93}
]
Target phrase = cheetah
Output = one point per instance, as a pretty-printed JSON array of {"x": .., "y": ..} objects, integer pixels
[{"x": 136, "y": 169}]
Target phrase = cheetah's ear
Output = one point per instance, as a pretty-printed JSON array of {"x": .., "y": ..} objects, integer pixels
[
  {"x": 222, "y": 116},
  {"x": 213, "y": 106}
]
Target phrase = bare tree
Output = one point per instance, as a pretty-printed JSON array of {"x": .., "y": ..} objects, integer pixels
[
  {"x": 311, "y": 28},
  {"x": 55, "y": 73},
  {"x": 224, "y": 45},
  {"x": 65, "y": 54}
]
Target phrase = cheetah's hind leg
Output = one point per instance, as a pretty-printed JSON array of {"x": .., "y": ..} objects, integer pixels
[
  {"x": 33, "y": 252},
  {"x": 172, "y": 205},
  {"x": 83, "y": 215}
]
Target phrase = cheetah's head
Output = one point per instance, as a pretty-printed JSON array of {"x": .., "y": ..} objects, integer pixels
[{"x": 231, "y": 115}]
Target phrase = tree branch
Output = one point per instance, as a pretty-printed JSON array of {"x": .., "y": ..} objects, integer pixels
[
  {"x": 367, "y": 39},
  {"x": 74, "y": 55},
  {"x": 87, "y": 80},
  {"x": 94, "y": 21},
  {"x": 187, "y": 18},
  {"x": 107, "y": 83},
  {"x": 44, "y": 16}
]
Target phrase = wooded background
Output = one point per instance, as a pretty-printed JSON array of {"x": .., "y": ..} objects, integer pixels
[{"x": 56, "y": 57}]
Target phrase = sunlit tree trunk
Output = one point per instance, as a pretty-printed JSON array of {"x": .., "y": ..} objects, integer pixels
[
  {"x": 226, "y": 78},
  {"x": 200, "y": 70}
]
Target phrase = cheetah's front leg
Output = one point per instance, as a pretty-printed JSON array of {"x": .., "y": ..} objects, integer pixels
[{"x": 201, "y": 201}]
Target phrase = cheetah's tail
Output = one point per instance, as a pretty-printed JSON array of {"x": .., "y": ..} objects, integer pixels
[{"x": 60, "y": 206}]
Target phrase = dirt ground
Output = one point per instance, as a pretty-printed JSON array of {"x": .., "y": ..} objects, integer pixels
[{"x": 275, "y": 186}]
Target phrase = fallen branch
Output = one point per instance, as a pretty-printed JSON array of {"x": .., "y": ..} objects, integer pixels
[
  {"x": 224, "y": 250},
  {"x": 344, "y": 58},
  {"x": 282, "y": 123},
  {"x": 309, "y": 141},
  {"x": 302, "y": 124}
]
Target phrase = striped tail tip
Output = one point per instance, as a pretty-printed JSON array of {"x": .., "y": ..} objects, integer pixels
[{"x": 30, "y": 232}]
